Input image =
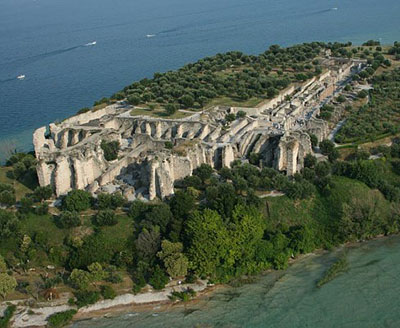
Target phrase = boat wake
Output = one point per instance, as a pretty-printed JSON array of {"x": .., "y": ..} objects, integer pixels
[
  {"x": 7, "y": 80},
  {"x": 32, "y": 59}
]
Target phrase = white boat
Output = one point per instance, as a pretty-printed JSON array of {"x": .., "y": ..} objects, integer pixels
[
  {"x": 335, "y": 8},
  {"x": 91, "y": 43},
  {"x": 20, "y": 77},
  {"x": 150, "y": 35}
]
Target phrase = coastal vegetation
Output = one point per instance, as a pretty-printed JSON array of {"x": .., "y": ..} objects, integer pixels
[
  {"x": 337, "y": 268},
  {"x": 6, "y": 318},
  {"x": 60, "y": 319}
]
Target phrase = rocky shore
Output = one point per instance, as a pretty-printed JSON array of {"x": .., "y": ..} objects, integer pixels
[{"x": 26, "y": 316}]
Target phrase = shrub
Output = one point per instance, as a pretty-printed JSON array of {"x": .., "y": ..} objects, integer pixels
[
  {"x": 241, "y": 114},
  {"x": 362, "y": 94},
  {"x": 169, "y": 145},
  {"x": 9, "y": 224},
  {"x": 7, "y": 284},
  {"x": 7, "y": 315},
  {"x": 230, "y": 117},
  {"x": 108, "y": 292},
  {"x": 83, "y": 110},
  {"x": 69, "y": 220},
  {"x": 341, "y": 99},
  {"x": 60, "y": 319},
  {"x": 105, "y": 218},
  {"x": 77, "y": 200},
  {"x": 183, "y": 296},
  {"x": 7, "y": 198},
  {"x": 107, "y": 201},
  {"x": 314, "y": 140},
  {"x": 42, "y": 193},
  {"x": 86, "y": 297},
  {"x": 110, "y": 149}
]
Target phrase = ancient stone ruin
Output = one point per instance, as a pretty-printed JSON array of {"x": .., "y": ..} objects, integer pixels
[{"x": 70, "y": 155}]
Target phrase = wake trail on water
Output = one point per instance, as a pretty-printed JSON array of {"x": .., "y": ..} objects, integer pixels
[
  {"x": 31, "y": 59},
  {"x": 7, "y": 80}
]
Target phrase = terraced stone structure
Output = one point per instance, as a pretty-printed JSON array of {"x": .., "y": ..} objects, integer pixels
[{"x": 70, "y": 155}]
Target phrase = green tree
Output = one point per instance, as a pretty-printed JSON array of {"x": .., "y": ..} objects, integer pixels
[
  {"x": 182, "y": 205},
  {"x": 3, "y": 265},
  {"x": 134, "y": 100},
  {"x": 97, "y": 273},
  {"x": 187, "y": 101},
  {"x": 246, "y": 231},
  {"x": 310, "y": 161},
  {"x": 148, "y": 243},
  {"x": 158, "y": 279},
  {"x": 208, "y": 242},
  {"x": 175, "y": 262},
  {"x": 25, "y": 205},
  {"x": 170, "y": 109},
  {"x": 326, "y": 146},
  {"x": 81, "y": 279},
  {"x": 204, "y": 172},
  {"x": 158, "y": 215},
  {"x": 9, "y": 224},
  {"x": 7, "y": 284}
]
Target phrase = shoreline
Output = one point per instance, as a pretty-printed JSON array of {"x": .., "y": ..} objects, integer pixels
[
  {"x": 130, "y": 303},
  {"x": 161, "y": 306}
]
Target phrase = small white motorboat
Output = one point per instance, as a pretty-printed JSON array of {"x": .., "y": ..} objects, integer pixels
[
  {"x": 21, "y": 77},
  {"x": 91, "y": 43},
  {"x": 150, "y": 35}
]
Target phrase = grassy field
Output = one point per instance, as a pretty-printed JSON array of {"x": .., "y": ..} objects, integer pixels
[
  {"x": 282, "y": 210},
  {"x": 20, "y": 189},
  {"x": 228, "y": 101},
  {"x": 158, "y": 113}
]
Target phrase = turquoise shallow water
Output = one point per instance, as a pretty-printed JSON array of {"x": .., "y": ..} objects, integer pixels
[
  {"x": 367, "y": 295},
  {"x": 45, "y": 40}
]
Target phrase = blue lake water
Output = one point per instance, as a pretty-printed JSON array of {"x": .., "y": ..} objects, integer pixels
[
  {"x": 45, "y": 40},
  {"x": 366, "y": 296}
]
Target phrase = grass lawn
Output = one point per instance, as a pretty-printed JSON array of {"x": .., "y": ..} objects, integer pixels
[
  {"x": 159, "y": 113},
  {"x": 44, "y": 223},
  {"x": 317, "y": 209},
  {"x": 20, "y": 189},
  {"x": 122, "y": 230},
  {"x": 287, "y": 211},
  {"x": 227, "y": 101}
]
